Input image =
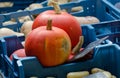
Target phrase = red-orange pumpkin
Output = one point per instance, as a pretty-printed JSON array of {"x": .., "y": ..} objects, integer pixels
[
  {"x": 51, "y": 46},
  {"x": 20, "y": 53},
  {"x": 62, "y": 20}
]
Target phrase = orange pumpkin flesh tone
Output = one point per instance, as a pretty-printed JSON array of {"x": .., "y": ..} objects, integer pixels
[
  {"x": 51, "y": 45},
  {"x": 62, "y": 20},
  {"x": 20, "y": 53}
]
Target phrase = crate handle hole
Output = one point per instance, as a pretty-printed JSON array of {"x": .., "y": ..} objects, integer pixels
[{"x": 107, "y": 10}]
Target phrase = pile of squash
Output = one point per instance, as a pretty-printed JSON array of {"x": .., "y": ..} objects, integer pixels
[{"x": 52, "y": 35}]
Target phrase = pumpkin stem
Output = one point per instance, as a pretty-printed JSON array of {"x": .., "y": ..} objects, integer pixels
[
  {"x": 49, "y": 24},
  {"x": 55, "y": 5},
  {"x": 78, "y": 46},
  {"x": 69, "y": 0}
]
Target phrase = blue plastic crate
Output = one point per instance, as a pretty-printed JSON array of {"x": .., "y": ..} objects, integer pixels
[
  {"x": 11, "y": 43},
  {"x": 111, "y": 29},
  {"x": 111, "y": 9},
  {"x": 105, "y": 57}
]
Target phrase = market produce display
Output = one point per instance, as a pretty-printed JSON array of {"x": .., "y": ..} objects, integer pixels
[{"x": 54, "y": 38}]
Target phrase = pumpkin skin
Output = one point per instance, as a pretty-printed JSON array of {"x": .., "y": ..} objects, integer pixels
[
  {"x": 64, "y": 21},
  {"x": 20, "y": 53},
  {"x": 51, "y": 47}
]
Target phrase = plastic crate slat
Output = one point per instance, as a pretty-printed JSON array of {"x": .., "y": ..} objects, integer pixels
[
  {"x": 18, "y": 14},
  {"x": 115, "y": 23}
]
